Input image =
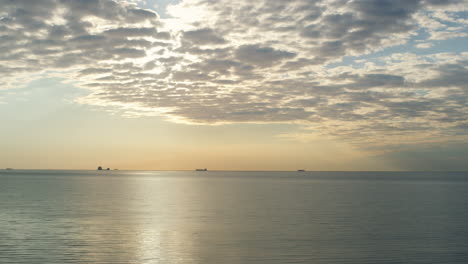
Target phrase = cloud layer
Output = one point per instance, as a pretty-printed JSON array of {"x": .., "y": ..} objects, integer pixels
[{"x": 254, "y": 61}]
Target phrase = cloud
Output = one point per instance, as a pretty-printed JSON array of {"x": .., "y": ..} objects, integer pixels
[
  {"x": 423, "y": 45},
  {"x": 203, "y": 36},
  {"x": 252, "y": 61},
  {"x": 261, "y": 56},
  {"x": 130, "y": 32}
]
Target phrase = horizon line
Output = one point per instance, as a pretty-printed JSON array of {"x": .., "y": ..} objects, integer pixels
[{"x": 116, "y": 170}]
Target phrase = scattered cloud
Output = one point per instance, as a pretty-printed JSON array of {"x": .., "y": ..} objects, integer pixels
[
  {"x": 254, "y": 61},
  {"x": 261, "y": 56},
  {"x": 202, "y": 37}
]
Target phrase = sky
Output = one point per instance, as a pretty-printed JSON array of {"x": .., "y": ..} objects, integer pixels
[{"x": 234, "y": 84}]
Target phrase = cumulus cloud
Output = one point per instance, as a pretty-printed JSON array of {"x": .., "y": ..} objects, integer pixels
[
  {"x": 261, "y": 56},
  {"x": 252, "y": 61},
  {"x": 203, "y": 36},
  {"x": 47, "y": 35}
]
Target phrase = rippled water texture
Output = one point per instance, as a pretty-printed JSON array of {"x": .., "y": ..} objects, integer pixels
[{"x": 233, "y": 217}]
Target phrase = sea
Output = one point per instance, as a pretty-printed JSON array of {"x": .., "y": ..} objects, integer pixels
[{"x": 232, "y": 217}]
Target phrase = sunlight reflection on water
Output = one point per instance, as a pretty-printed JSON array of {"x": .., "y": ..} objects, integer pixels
[{"x": 233, "y": 217}]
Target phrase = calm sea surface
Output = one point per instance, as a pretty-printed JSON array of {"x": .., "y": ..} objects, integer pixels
[{"x": 233, "y": 217}]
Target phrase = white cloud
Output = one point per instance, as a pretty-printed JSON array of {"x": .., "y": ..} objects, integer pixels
[{"x": 423, "y": 45}]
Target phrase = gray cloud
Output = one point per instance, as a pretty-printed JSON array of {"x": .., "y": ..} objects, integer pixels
[
  {"x": 203, "y": 36},
  {"x": 130, "y": 32},
  {"x": 449, "y": 75},
  {"x": 262, "y": 61},
  {"x": 260, "y": 55}
]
